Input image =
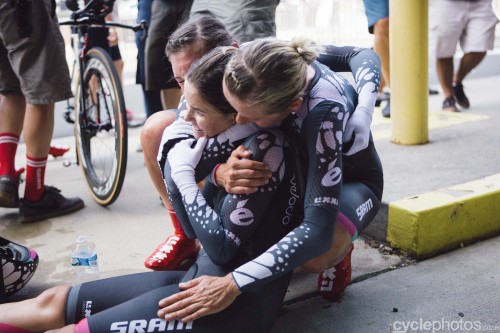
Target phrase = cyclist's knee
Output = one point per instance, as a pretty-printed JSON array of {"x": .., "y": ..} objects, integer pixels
[
  {"x": 51, "y": 303},
  {"x": 156, "y": 123},
  {"x": 153, "y": 128}
]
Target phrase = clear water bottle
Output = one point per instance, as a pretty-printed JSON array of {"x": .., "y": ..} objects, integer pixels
[{"x": 84, "y": 260}]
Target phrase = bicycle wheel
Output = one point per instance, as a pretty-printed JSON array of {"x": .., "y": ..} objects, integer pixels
[{"x": 101, "y": 127}]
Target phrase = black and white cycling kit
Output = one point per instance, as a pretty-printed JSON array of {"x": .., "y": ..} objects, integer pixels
[{"x": 261, "y": 237}]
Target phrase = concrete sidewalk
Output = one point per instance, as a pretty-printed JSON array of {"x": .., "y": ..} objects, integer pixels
[
  {"x": 463, "y": 147},
  {"x": 454, "y": 292}
]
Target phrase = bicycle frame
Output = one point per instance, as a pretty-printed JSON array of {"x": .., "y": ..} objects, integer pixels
[
  {"x": 100, "y": 122},
  {"x": 80, "y": 21}
]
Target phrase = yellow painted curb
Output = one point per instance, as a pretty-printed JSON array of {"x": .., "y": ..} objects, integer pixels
[{"x": 434, "y": 222}]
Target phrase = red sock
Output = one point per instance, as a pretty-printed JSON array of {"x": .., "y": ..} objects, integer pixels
[
  {"x": 8, "y": 148},
  {"x": 176, "y": 223},
  {"x": 35, "y": 178}
]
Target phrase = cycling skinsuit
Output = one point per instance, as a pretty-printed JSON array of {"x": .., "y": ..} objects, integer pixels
[
  {"x": 233, "y": 230},
  {"x": 131, "y": 301},
  {"x": 318, "y": 126}
]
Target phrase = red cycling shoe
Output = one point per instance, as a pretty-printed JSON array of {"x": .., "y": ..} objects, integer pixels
[
  {"x": 177, "y": 248},
  {"x": 169, "y": 255},
  {"x": 58, "y": 150},
  {"x": 333, "y": 281}
]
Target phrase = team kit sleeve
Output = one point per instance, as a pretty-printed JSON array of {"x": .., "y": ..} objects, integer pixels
[
  {"x": 224, "y": 231},
  {"x": 322, "y": 137},
  {"x": 363, "y": 63}
]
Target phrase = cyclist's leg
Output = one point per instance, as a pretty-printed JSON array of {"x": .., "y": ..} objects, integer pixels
[
  {"x": 257, "y": 308},
  {"x": 151, "y": 134},
  {"x": 41, "y": 313},
  {"x": 359, "y": 203}
]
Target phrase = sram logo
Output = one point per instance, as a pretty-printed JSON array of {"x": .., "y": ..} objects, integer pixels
[
  {"x": 152, "y": 325},
  {"x": 364, "y": 208}
]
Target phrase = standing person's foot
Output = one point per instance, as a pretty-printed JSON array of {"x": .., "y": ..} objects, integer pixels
[
  {"x": 333, "y": 281},
  {"x": 9, "y": 192},
  {"x": 460, "y": 97},
  {"x": 51, "y": 204},
  {"x": 386, "y": 111},
  {"x": 58, "y": 150},
  {"x": 449, "y": 104},
  {"x": 170, "y": 254},
  {"x": 433, "y": 91},
  {"x": 383, "y": 96}
]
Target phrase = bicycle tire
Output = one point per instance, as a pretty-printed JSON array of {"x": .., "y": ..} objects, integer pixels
[{"x": 101, "y": 127}]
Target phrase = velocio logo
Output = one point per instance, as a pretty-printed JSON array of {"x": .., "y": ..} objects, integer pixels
[{"x": 439, "y": 325}]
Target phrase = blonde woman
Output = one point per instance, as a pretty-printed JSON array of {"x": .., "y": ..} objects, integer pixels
[{"x": 275, "y": 83}]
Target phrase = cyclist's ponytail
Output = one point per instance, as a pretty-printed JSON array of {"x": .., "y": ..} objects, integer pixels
[{"x": 270, "y": 72}]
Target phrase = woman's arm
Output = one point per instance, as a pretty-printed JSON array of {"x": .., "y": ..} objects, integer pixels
[
  {"x": 223, "y": 233},
  {"x": 364, "y": 64},
  {"x": 321, "y": 139},
  {"x": 241, "y": 175},
  {"x": 323, "y": 135}
]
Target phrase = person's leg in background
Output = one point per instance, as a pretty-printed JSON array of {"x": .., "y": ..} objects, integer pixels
[
  {"x": 166, "y": 16},
  {"x": 446, "y": 23},
  {"x": 11, "y": 125},
  {"x": 33, "y": 76},
  {"x": 152, "y": 98},
  {"x": 444, "y": 71},
  {"x": 478, "y": 38},
  {"x": 468, "y": 62},
  {"x": 377, "y": 14}
]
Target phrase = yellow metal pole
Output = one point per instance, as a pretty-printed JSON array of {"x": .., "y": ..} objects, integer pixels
[{"x": 408, "y": 31}]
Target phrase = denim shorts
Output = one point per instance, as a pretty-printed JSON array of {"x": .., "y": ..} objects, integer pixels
[
  {"x": 35, "y": 65},
  {"x": 375, "y": 10}
]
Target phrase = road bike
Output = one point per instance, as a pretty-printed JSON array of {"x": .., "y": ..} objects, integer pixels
[{"x": 98, "y": 107}]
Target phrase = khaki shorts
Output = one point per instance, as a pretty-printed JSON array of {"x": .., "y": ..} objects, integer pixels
[
  {"x": 472, "y": 23},
  {"x": 33, "y": 66}
]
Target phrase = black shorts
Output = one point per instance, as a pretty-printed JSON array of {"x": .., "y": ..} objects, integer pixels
[
  {"x": 115, "y": 303},
  {"x": 166, "y": 16},
  {"x": 98, "y": 37}
]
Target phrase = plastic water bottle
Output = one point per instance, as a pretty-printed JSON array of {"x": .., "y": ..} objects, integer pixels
[{"x": 84, "y": 260}]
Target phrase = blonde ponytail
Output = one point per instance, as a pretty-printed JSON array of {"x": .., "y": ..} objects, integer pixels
[{"x": 270, "y": 72}]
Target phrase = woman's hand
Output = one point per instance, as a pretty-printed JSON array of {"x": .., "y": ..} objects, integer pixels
[
  {"x": 186, "y": 154},
  {"x": 240, "y": 174},
  {"x": 200, "y": 297}
]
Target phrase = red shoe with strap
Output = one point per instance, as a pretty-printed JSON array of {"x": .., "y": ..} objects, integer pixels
[
  {"x": 333, "y": 281},
  {"x": 177, "y": 248}
]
